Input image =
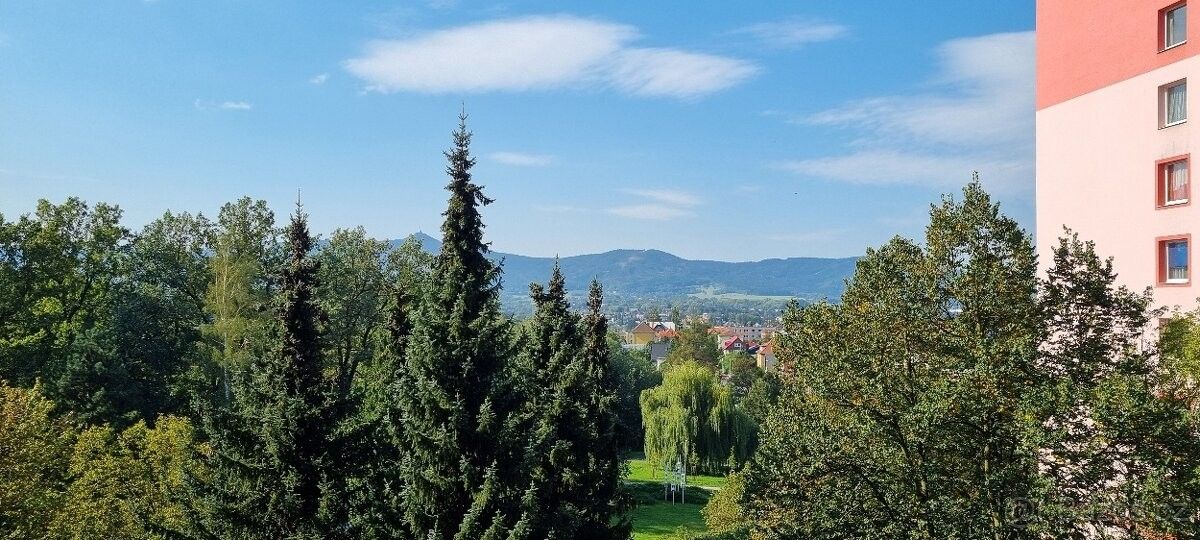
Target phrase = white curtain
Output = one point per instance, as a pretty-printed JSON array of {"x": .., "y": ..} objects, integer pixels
[
  {"x": 1177, "y": 181},
  {"x": 1177, "y": 103},
  {"x": 1176, "y": 26}
]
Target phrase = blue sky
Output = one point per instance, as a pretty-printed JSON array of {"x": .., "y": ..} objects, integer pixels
[{"x": 720, "y": 130}]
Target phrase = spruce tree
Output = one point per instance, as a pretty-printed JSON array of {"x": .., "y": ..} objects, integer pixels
[
  {"x": 455, "y": 397},
  {"x": 376, "y": 510},
  {"x": 604, "y": 517},
  {"x": 276, "y": 463},
  {"x": 572, "y": 461}
]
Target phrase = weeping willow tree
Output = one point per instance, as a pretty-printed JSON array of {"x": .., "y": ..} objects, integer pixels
[{"x": 691, "y": 417}]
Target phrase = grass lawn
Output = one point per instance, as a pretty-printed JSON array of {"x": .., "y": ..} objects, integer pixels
[
  {"x": 641, "y": 471},
  {"x": 655, "y": 519}
]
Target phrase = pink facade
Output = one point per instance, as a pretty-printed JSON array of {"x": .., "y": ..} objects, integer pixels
[{"x": 1116, "y": 130}]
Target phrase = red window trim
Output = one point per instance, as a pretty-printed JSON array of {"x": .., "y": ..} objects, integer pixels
[
  {"x": 1160, "y": 193},
  {"x": 1160, "y": 255},
  {"x": 1162, "y": 28}
]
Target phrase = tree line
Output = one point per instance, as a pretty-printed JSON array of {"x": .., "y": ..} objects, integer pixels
[{"x": 235, "y": 379}]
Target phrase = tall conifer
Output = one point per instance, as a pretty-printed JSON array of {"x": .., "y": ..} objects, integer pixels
[
  {"x": 455, "y": 397},
  {"x": 571, "y": 462},
  {"x": 605, "y": 515},
  {"x": 276, "y": 464}
]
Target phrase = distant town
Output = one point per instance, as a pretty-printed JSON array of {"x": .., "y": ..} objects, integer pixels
[{"x": 657, "y": 337}]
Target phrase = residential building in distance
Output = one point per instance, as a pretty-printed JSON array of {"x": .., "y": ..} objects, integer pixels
[
  {"x": 658, "y": 352},
  {"x": 1114, "y": 137},
  {"x": 747, "y": 333},
  {"x": 732, "y": 344},
  {"x": 641, "y": 334},
  {"x": 765, "y": 356},
  {"x": 647, "y": 332}
]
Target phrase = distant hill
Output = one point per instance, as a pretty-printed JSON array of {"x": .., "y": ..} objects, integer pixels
[{"x": 653, "y": 273}]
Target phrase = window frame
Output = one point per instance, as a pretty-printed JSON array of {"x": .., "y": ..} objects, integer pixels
[
  {"x": 1160, "y": 254},
  {"x": 1164, "y": 103},
  {"x": 1161, "y": 182},
  {"x": 1163, "y": 26}
]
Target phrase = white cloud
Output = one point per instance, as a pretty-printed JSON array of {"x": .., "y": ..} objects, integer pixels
[
  {"x": 660, "y": 205},
  {"x": 207, "y": 105},
  {"x": 319, "y": 79},
  {"x": 793, "y": 33},
  {"x": 538, "y": 53},
  {"x": 666, "y": 196},
  {"x": 979, "y": 117},
  {"x": 651, "y": 212},
  {"x": 676, "y": 73},
  {"x": 518, "y": 159},
  {"x": 880, "y": 167}
]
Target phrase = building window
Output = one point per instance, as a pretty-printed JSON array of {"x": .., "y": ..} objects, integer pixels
[
  {"x": 1173, "y": 98},
  {"x": 1174, "y": 25},
  {"x": 1174, "y": 258},
  {"x": 1174, "y": 185}
]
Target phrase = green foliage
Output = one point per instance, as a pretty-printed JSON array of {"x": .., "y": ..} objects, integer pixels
[
  {"x": 1100, "y": 385},
  {"x": 158, "y": 313},
  {"x": 901, "y": 418},
  {"x": 761, "y": 397},
  {"x": 695, "y": 344},
  {"x": 127, "y": 485},
  {"x": 692, "y": 417},
  {"x": 34, "y": 445},
  {"x": 743, "y": 371},
  {"x": 572, "y": 460},
  {"x": 58, "y": 271},
  {"x": 376, "y": 510},
  {"x": 279, "y": 463},
  {"x": 633, "y": 372},
  {"x": 954, "y": 395},
  {"x": 354, "y": 279},
  {"x": 456, "y": 394},
  {"x": 57, "y": 482},
  {"x": 724, "y": 512},
  {"x": 246, "y": 255}
]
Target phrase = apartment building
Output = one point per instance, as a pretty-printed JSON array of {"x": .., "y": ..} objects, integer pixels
[{"x": 1115, "y": 134}]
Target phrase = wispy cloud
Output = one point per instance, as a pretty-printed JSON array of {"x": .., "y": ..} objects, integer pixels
[
  {"x": 518, "y": 159},
  {"x": 319, "y": 79},
  {"x": 539, "y": 53},
  {"x": 902, "y": 167},
  {"x": 676, "y": 73},
  {"x": 666, "y": 196},
  {"x": 205, "y": 105},
  {"x": 658, "y": 204},
  {"x": 651, "y": 212},
  {"x": 793, "y": 33},
  {"x": 979, "y": 118}
]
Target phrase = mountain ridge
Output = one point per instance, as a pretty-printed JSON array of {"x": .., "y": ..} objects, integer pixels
[{"x": 657, "y": 273}]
